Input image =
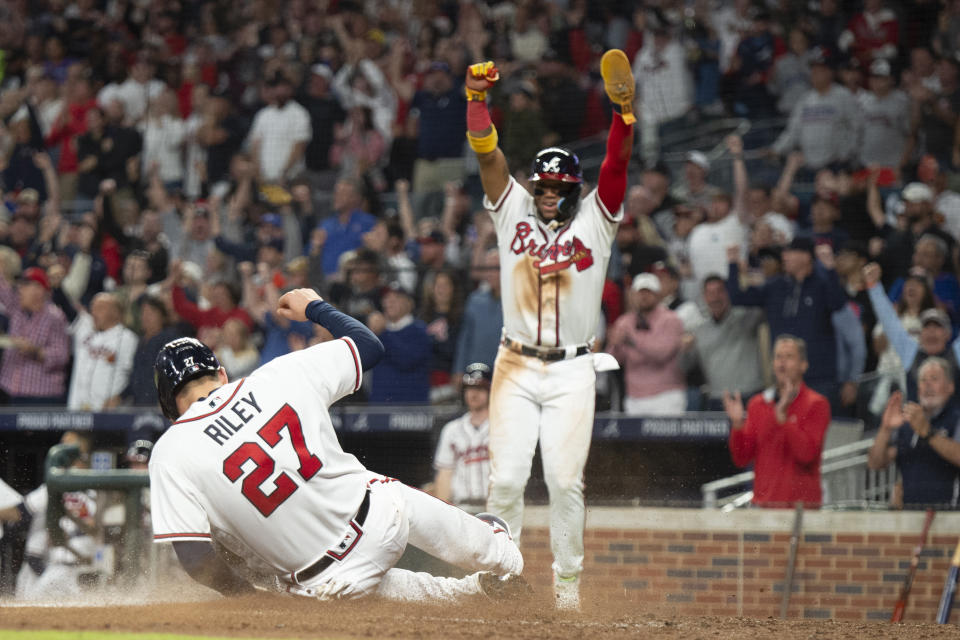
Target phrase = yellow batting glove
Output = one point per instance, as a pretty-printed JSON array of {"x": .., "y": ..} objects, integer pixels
[{"x": 480, "y": 77}]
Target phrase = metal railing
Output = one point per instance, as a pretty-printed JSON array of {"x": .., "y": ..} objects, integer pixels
[{"x": 846, "y": 480}]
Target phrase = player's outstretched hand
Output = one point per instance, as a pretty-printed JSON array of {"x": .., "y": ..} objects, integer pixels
[{"x": 293, "y": 304}]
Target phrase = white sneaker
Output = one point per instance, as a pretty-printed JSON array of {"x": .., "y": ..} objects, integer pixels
[{"x": 567, "y": 592}]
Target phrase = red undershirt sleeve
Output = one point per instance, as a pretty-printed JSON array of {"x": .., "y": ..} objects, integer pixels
[
  {"x": 612, "y": 183},
  {"x": 478, "y": 117}
]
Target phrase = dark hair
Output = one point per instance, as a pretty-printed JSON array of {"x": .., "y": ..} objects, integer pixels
[
  {"x": 232, "y": 290},
  {"x": 661, "y": 168},
  {"x": 366, "y": 256},
  {"x": 429, "y": 311},
  {"x": 926, "y": 302},
  {"x": 714, "y": 277},
  {"x": 156, "y": 303},
  {"x": 395, "y": 229}
]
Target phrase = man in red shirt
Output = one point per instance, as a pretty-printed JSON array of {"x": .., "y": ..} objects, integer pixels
[
  {"x": 224, "y": 303},
  {"x": 782, "y": 432},
  {"x": 67, "y": 129}
]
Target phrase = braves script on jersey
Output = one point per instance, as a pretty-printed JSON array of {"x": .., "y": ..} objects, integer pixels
[
  {"x": 551, "y": 279},
  {"x": 464, "y": 449},
  {"x": 259, "y": 460}
]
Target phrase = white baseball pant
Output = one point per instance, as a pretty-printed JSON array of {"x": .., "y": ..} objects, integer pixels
[
  {"x": 553, "y": 402},
  {"x": 399, "y": 515}
]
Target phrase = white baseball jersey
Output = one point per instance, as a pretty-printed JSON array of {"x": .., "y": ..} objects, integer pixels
[
  {"x": 259, "y": 460},
  {"x": 551, "y": 280},
  {"x": 464, "y": 449},
  {"x": 80, "y": 504},
  {"x": 37, "y": 538},
  {"x": 8, "y": 496},
  {"x": 102, "y": 361}
]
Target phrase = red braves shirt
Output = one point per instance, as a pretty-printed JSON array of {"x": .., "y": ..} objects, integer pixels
[{"x": 786, "y": 456}]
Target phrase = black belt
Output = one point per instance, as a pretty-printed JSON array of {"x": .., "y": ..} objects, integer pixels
[
  {"x": 37, "y": 564},
  {"x": 547, "y": 354},
  {"x": 320, "y": 565}
]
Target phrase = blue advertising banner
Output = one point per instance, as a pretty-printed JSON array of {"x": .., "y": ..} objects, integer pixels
[{"x": 697, "y": 427}]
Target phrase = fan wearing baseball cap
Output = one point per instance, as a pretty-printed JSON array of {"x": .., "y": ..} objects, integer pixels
[
  {"x": 933, "y": 340},
  {"x": 404, "y": 375},
  {"x": 800, "y": 302},
  {"x": 646, "y": 341},
  {"x": 694, "y": 188},
  {"x": 919, "y": 219},
  {"x": 34, "y": 367},
  {"x": 825, "y": 121},
  {"x": 885, "y": 115}
]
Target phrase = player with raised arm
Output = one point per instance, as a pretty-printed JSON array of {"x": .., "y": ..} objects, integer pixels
[
  {"x": 254, "y": 465},
  {"x": 554, "y": 247}
]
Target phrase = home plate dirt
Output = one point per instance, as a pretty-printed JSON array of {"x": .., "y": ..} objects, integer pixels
[{"x": 270, "y": 616}]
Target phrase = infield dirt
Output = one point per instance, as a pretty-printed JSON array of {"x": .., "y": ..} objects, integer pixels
[{"x": 284, "y": 617}]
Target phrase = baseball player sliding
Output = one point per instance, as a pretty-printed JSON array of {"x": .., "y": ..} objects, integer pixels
[
  {"x": 554, "y": 247},
  {"x": 255, "y": 466}
]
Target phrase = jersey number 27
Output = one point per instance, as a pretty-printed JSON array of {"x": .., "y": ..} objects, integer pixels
[{"x": 284, "y": 484}]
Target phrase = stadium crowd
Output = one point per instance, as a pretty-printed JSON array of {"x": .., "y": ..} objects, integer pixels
[{"x": 171, "y": 168}]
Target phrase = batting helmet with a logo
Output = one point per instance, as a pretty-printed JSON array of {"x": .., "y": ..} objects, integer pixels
[
  {"x": 559, "y": 165},
  {"x": 179, "y": 362},
  {"x": 477, "y": 375}
]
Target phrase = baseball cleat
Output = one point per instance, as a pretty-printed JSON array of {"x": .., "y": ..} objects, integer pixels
[
  {"x": 618, "y": 82},
  {"x": 496, "y": 522},
  {"x": 505, "y": 587},
  {"x": 566, "y": 592}
]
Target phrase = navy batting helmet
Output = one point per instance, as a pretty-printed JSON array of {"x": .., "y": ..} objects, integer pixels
[
  {"x": 560, "y": 165},
  {"x": 139, "y": 451},
  {"x": 477, "y": 375},
  {"x": 179, "y": 362}
]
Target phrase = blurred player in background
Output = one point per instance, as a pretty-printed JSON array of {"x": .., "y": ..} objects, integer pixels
[
  {"x": 462, "y": 460},
  {"x": 56, "y": 572}
]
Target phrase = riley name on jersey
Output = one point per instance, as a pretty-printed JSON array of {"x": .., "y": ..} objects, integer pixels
[{"x": 223, "y": 427}]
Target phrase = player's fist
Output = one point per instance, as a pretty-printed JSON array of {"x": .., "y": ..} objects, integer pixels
[
  {"x": 293, "y": 304},
  {"x": 481, "y": 76}
]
